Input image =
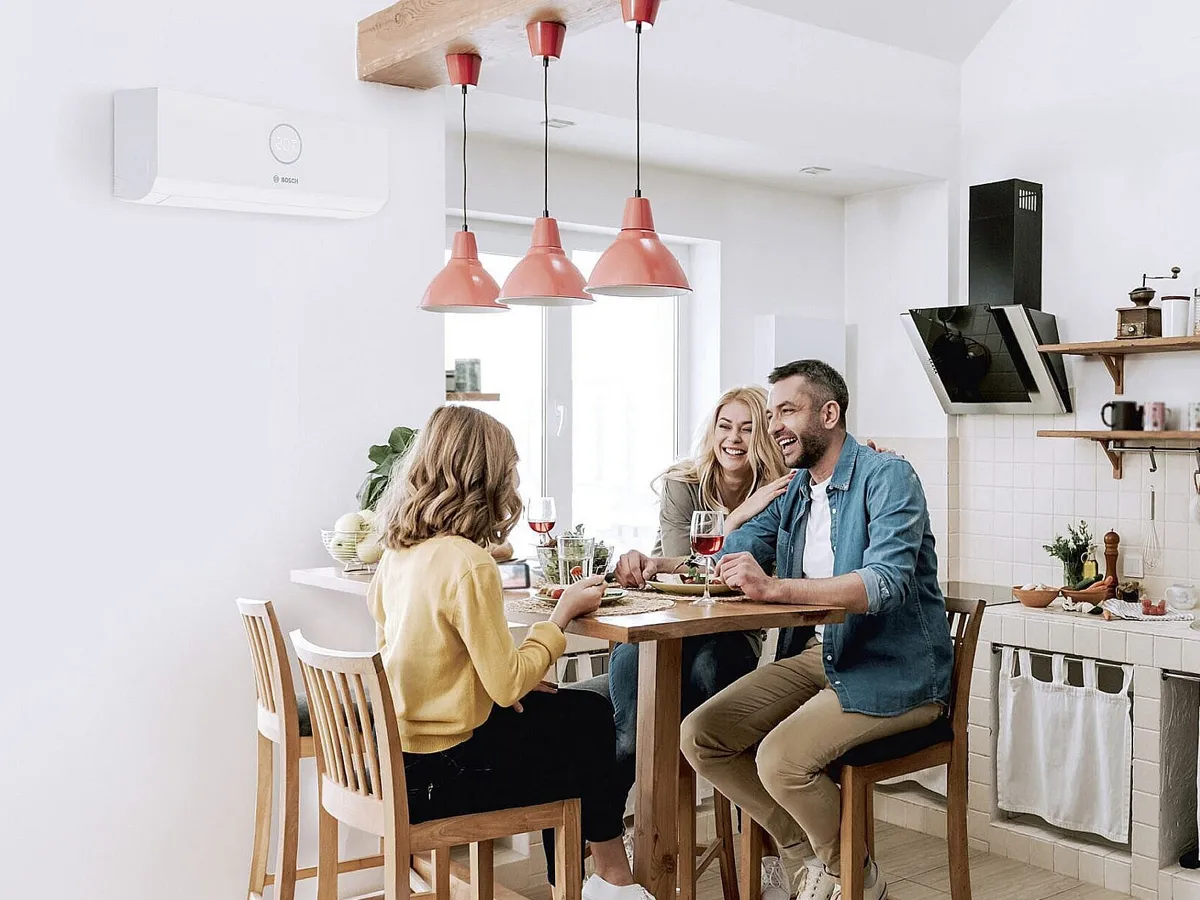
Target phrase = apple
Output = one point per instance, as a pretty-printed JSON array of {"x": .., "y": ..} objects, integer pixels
[
  {"x": 344, "y": 546},
  {"x": 370, "y": 549},
  {"x": 368, "y": 518},
  {"x": 350, "y": 523}
]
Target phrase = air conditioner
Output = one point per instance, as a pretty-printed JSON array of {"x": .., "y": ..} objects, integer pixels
[{"x": 177, "y": 149}]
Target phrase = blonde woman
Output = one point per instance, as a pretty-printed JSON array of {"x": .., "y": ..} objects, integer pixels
[
  {"x": 737, "y": 468},
  {"x": 475, "y": 720}
]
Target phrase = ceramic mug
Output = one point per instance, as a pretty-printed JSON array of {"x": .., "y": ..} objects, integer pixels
[
  {"x": 1126, "y": 415},
  {"x": 1155, "y": 413},
  {"x": 1192, "y": 421}
]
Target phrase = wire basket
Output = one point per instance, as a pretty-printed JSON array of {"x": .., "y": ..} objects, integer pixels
[{"x": 343, "y": 547}]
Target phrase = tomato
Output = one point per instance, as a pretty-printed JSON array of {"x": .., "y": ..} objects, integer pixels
[
  {"x": 556, "y": 593},
  {"x": 577, "y": 572}
]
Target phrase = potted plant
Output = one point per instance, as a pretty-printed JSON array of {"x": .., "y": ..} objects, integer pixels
[
  {"x": 1070, "y": 551},
  {"x": 385, "y": 457}
]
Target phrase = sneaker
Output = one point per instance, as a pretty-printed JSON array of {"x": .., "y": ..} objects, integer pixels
[
  {"x": 775, "y": 884},
  {"x": 596, "y": 888},
  {"x": 814, "y": 883},
  {"x": 874, "y": 885}
]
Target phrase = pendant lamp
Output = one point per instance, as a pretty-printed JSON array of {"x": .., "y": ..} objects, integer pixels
[
  {"x": 638, "y": 264},
  {"x": 546, "y": 276},
  {"x": 464, "y": 285}
]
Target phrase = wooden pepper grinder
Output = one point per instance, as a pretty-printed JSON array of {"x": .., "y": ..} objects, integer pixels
[{"x": 1111, "y": 541}]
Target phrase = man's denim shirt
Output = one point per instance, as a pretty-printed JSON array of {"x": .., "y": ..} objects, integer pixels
[{"x": 897, "y": 656}]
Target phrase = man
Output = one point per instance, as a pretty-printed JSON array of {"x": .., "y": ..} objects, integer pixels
[{"x": 851, "y": 531}]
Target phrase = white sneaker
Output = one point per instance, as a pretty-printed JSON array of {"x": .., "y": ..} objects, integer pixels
[
  {"x": 596, "y": 888},
  {"x": 774, "y": 880},
  {"x": 874, "y": 885},
  {"x": 814, "y": 883}
]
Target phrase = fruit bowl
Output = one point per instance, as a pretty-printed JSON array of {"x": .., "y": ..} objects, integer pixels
[
  {"x": 343, "y": 547},
  {"x": 1035, "y": 599}
]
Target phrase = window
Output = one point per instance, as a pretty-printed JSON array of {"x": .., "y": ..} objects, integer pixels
[{"x": 594, "y": 416}]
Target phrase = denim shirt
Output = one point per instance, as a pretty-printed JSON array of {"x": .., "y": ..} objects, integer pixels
[{"x": 897, "y": 656}]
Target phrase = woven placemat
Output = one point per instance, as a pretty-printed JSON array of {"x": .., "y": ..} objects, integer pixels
[{"x": 631, "y": 604}]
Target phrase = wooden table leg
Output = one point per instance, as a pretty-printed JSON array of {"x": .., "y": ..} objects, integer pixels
[{"x": 656, "y": 832}]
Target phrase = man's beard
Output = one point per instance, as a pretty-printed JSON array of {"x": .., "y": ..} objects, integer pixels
[{"x": 813, "y": 443}]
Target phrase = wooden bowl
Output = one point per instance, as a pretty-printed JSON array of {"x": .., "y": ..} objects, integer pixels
[{"x": 1035, "y": 599}]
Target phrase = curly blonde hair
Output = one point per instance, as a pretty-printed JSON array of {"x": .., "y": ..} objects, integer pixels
[
  {"x": 703, "y": 469},
  {"x": 459, "y": 478}
]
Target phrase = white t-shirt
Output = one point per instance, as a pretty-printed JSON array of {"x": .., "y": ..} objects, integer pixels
[{"x": 818, "y": 545}]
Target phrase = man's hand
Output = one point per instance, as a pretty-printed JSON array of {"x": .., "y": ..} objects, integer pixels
[
  {"x": 634, "y": 569},
  {"x": 742, "y": 571},
  {"x": 542, "y": 687}
]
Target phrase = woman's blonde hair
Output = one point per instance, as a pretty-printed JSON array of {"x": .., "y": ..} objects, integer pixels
[
  {"x": 459, "y": 478},
  {"x": 703, "y": 468}
]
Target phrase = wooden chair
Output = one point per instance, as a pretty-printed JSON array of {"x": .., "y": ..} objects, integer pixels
[
  {"x": 942, "y": 743},
  {"x": 360, "y": 766},
  {"x": 283, "y": 722}
]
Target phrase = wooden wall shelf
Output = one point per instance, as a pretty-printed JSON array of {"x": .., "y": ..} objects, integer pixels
[
  {"x": 1113, "y": 353},
  {"x": 469, "y": 397},
  {"x": 406, "y": 44},
  {"x": 1103, "y": 438}
]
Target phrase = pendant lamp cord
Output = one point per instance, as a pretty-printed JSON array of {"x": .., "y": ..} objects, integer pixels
[
  {"x": 545, "y": 137},
  {"x": 638, "y": 109},
  {"x": 464, "y": 108}
]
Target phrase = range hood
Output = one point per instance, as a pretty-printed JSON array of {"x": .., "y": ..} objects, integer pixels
[{"x": 983, "y": 357}]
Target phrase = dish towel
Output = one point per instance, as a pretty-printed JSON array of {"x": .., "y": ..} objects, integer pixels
[{"x": 1065, "y": 753}]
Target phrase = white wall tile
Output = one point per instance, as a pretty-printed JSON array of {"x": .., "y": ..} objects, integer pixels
[
  {"x": 1145, "y": 808},
  {"x": 1147, "y": 682},
  {"x": 1066, "y": 861},
  {"x": 1117, "y": 874},
  {"x": 1112, "y": 644},
  {"x": 1167, "y": 652},
  {"x": 1143, "y": 870},
  {"x": 1037, "y": 635},
  {"x": 1013, "y": 631},
  {"x": 1146, "y": 713},
  {"x": 1190, "y": 657},
  {"x": 1062, "y": 637},
  {"x": 1145, "y": 744},
  {"x": 1185, "y": 887},
  {"x": 1017, "y": 846},
  {"x": 1166, "y": 886},
  {"x": 1087, "y": 640},
  {"x": 1041, "y": 853},
  {"x": 1146, "y": 777},
  {"x": 1091, "y": 867},
  {"x": 1139, "y": 648}
]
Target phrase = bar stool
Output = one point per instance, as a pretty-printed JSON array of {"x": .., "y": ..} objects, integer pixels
[
  {"x": 283, "y": 723},
  {"x": 861, "y": 768}
]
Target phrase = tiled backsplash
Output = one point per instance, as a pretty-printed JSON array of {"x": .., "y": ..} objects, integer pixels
[{"x": 997, "y": 493}]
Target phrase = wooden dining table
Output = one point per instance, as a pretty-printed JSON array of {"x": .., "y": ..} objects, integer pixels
[{"x": 660, "y": 676}]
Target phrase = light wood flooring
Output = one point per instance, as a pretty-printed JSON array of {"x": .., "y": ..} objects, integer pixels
[{"x": 916, "y": 868}]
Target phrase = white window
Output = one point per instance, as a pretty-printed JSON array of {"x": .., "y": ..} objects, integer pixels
[{"x": 591, "y": 394}]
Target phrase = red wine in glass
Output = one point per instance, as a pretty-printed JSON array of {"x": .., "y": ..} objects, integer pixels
[
  {"x": 708, "y": 536},
  {"x": 708, "y": 544},
  {"x": 541, "y": 527},
  {"x": 541, "y": 516}
]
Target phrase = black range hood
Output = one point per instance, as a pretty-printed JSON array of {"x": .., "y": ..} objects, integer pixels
[{"x": 983, "y": 357}]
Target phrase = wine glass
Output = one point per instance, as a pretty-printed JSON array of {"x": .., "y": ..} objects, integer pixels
[
  {"x": 541, "y": 516},
  {"x": 708, "y": 536}
]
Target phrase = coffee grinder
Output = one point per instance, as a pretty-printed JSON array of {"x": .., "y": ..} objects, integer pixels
[{"x": 1142, "y": 320}]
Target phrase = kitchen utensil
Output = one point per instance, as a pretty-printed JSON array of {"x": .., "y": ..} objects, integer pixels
[
  {"x": 1154, "y": 416},
  {"x": 1143, "y": 320},
  {"x": 1035, "y": 599},
  {"x": 1176, "y": 314},
  {"x": 1126, "y": 415},
  {"x": 1152, "y": 546},
  {"x": 677, "y": 588},
  {"x": 1182, "y": 597}
]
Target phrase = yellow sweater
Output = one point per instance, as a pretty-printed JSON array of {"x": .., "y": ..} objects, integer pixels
[{"x": 445, "y": 643}]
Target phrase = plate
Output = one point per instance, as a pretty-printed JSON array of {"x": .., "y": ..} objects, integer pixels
[
  {"x": 611, "y": 595},
  {"x": 717, "y": 589}
]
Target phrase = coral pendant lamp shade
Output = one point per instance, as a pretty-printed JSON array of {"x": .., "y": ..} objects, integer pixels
[
  {"x": 463, "y": 285},
  {"x": 545, "y": 276},
  {"x": 638, "y": 264}
]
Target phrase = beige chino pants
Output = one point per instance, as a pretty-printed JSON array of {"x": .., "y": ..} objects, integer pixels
[{"x": 766, "y": 741}]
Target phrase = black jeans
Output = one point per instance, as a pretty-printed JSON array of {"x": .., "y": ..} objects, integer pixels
[{"x": 561, "y": 747}]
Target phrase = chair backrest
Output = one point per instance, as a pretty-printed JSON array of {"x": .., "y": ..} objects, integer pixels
[
  {"x": 965, "y": 618},
  {"x": 278, "y": 718},
  {"x": 359, "y": 757}
]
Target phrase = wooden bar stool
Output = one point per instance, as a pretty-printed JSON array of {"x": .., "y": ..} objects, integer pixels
[
  {"x": 944, "y": 743},
  {"x": 360, "y": 766},
  {"x": 283, "y": 722}
]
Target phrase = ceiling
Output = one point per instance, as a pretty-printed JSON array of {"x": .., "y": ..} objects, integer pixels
[
  {"x": 946, "y": 29},
  {"x": 865, "y": 92}
]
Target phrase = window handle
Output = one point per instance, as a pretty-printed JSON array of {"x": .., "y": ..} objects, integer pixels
[{"x": 560, "y": 418}]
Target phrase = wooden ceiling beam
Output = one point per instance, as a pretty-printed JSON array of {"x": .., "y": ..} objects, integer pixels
[{"x": 406, "y": 43}]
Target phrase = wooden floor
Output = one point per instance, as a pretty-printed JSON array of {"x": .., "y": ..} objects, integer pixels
[{"x": 916, "y": 869}]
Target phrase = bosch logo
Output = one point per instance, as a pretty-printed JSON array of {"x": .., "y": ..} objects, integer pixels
[{"x": 285, "y": 144}]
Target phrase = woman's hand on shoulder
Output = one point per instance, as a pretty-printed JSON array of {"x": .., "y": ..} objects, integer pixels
[{"x": 758, "y": 501}]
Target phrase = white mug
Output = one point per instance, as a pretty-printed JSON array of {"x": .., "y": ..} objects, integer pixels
[
  {"x": 1175, "y": 316},
  {"x": 1191, "y": 421}
]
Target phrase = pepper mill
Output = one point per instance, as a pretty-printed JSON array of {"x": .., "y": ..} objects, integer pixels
[{"x": 1111, "y": 541}]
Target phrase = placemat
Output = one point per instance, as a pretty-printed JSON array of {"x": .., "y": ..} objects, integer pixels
[
  {"x": 631, "y": 604},
  {"x": 1124, "y": 610}
]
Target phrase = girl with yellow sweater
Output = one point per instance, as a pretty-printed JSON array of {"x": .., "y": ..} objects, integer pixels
[{"x": 480, "y": 730}]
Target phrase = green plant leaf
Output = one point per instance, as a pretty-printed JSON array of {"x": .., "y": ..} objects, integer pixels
[
  {"x": 400, "y": 438},
  {"x": 385, "y": 465},
  {"x": 379, "y": 452}
]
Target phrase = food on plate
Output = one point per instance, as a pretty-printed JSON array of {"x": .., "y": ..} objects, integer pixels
[{"x": 1153, "y": 607}]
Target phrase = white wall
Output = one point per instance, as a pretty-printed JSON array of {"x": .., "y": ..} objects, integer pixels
[
  {"x": 1095, "y": 99},
  {"x": 188, "y": 399},
  {"x": 780, "y": 251}
]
